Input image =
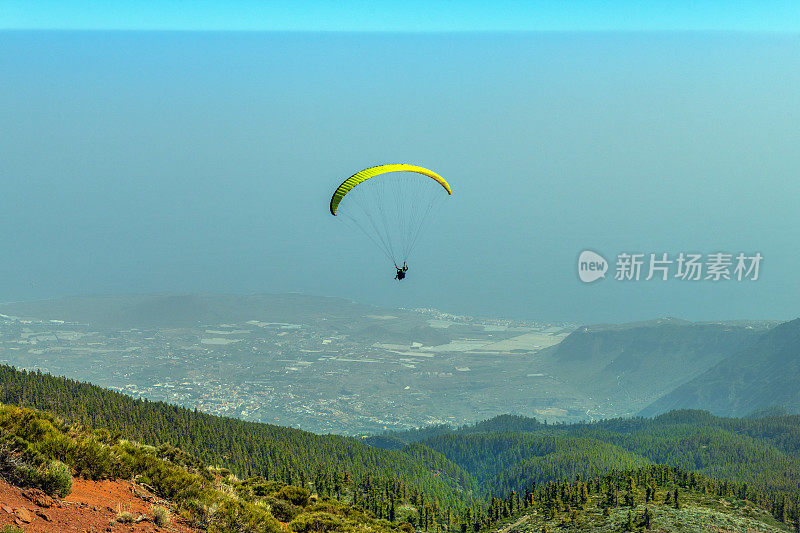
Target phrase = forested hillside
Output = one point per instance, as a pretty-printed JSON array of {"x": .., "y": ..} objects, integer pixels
[
  {"x": 515, "y": 451},
  {"x": 39, "y": 451},
  {"x": 652, "y": 498},
  {"x": 441, "y": 472},
  {"x": 502, "y": 462},
  {"x": 247, "y": 448}
]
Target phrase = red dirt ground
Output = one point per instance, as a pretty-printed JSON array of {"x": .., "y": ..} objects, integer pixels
[{"x": 91, "y": 507}]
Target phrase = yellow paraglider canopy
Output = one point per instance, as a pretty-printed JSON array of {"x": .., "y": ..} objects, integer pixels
[{"x": 360, "y": 177}]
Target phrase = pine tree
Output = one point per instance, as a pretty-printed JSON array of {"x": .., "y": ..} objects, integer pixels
[
  {"x": 612, "y": 497},
  {"x": 466, "y": 520},
  {"x": 647, "y": 520},
  {"x": 630, "y": 499},
  {"x": 630, "y": 495},
  {"x": 628, "y": 523}
]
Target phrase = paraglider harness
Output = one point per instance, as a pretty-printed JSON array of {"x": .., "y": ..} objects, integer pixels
[{"x": 401, "y": 272}]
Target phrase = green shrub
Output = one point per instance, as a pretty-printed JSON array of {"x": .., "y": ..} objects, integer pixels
[
  {"x": 93, "y": 460},
  {"x": 57, "y": 479},
  {"x": 195, "y": 511},
  {"x": 53, "y": 477},
  {"x": 283, "y": 510},
  {"x": 294, "y": 495},
  {"x": 232, "y": 515},
  {"x": 263, "y": 488},
  {"x": 405, "y": 527},
  {"x": 161, "y": 516},
  {"x": 317, "y": 522}
]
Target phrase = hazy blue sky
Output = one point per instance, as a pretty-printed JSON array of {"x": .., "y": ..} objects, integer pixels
[
  {"x": 143, "y": 162},
  {"x": 410, "y": 15}
]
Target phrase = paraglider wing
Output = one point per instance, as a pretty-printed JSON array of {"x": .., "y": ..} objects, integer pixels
[
  {"x": 392, "y": 208},
  {"x": 360, "y": 177}
]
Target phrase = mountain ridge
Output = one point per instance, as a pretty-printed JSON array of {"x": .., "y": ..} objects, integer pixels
[{"x": 759, "y": 376}]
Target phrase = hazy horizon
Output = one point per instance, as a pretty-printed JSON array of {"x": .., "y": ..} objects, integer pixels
[{"x": 151, "y": 162}]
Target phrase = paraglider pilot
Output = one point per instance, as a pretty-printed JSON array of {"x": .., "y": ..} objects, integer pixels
[{"x": 401, "y": 272}]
